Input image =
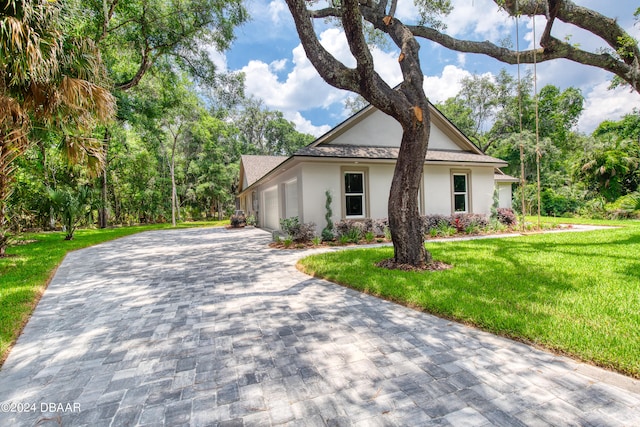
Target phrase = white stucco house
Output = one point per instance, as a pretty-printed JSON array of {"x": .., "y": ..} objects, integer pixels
[{"x": 355, "y": 162}]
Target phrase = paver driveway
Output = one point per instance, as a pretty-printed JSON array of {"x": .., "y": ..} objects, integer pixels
[{"x": 211, "y": 327}]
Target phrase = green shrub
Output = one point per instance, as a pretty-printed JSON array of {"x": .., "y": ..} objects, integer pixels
[
  {"x": 369, "y": 236},
  {"x": 327, "y": 235},
  {"x": 299, "y": 232},
  {"x": 354, "y": 234},
  {"x": 387, "y": 233},
  {"x": 327, "y": 231},
  {"x": 555, "y": 203},
  {"x": 624, "y": 207},
  {"x": 444, "y": 229}
]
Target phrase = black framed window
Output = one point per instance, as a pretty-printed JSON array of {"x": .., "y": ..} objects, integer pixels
[
  {"x": 354, "y": 194},
  {"x": 460, "y": 193}
]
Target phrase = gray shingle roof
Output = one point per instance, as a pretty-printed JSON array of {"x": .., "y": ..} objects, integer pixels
[
  {"x": 255, "y": 167},
  {"x": 391, "y": 153}
]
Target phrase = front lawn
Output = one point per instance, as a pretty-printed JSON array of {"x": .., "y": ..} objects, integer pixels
[
  {"x": 576, "y": 293},
  {"x": 25, "y": 273}
]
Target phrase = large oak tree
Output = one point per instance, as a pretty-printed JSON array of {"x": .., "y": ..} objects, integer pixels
[{"x": 407, "y": 104}]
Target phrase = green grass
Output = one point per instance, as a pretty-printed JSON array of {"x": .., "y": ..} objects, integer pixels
[
  {"x": 25, "y": 273},
  {"x": 574, "y": 293}
]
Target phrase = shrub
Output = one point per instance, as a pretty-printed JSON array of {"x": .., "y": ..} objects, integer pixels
[
  {"x": 387, "y": 233},
  {"x": 327, "y": 231},
  {"x": 369, "y": 236},
  {"x": 238, "y": 220},
  {"x": 354, "y": 234},
  {"x": 379, "y": 227},
  {"x": 507, "y": 217},
  {"x": 346, "y": 227},
  {"x": 445, "y": 230},
  {"x": 496, "y": 226},
  {"x": 624, "y": 207},
  {"x": 327, "y": 235},
  {"x": 463, "y": 222},
  {"x": 433, "y": 222},
  {"x": 299, "y": 232},
  {"x": 556, "y": 203}
]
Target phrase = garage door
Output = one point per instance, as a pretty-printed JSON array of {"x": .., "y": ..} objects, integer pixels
[{"x": 271, "y": 218}]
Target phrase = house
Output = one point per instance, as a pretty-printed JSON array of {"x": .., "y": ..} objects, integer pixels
[{"x": 355, "y": 163}]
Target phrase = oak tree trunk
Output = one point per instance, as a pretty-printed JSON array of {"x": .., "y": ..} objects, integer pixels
[{"x": 404, "y": 215}]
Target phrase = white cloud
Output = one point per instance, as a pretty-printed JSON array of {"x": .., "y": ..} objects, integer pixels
[
  {"x": 479, "y": 18},
  {"x": 278, "y": 65},
  {"x": 305, "y": 126},
  {"x": 276, "y": 9},
  {"x": 447, "y": 85},
  {"x": 303, "y": 88},
  {"x": 603, "y": 104}
]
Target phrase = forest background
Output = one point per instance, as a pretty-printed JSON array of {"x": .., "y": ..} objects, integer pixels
[{"x": 171, "y": 150}]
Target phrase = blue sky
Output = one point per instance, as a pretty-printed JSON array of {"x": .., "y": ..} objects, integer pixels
[{"x": 268, "y": 51}]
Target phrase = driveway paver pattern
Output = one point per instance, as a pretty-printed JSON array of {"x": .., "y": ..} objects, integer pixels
[{"x": 210, "y": 327}]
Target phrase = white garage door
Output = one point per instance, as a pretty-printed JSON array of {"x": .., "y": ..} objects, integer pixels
[{"x": 271, "y": 218}]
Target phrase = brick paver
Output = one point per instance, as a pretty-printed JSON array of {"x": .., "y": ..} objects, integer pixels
[{"x": 211, "y": 327}]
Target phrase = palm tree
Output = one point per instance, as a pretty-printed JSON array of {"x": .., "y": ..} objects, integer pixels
[
  {"x": 47, "y": 79},
  {"x": 72, "y": 206}
]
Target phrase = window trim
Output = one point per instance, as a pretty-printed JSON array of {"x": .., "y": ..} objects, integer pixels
[
  {"x": 467, "y": 193},
  {"x": 365, "y": 195}
]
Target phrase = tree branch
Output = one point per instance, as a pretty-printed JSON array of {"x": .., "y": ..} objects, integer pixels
[
  {"x": 146, "y": 63},
  {"x": 352, "y": 24},
  {"x": 328, "y": 67},
  {"x": 108, "y": 14},
  {"x": 605, "y": 61},
  {"x": 567, "y": 11}
]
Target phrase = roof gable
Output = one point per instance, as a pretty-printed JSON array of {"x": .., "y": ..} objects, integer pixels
[
  {"x": 371, "y": 127},
  {"x": 252, "y": 168}
]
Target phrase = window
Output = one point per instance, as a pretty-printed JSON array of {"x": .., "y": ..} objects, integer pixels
[
  {"x": 460, "y": 192},
  {"x": 354, "y": 194}
]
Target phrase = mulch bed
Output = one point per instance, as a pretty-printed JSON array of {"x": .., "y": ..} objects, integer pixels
[{"x": 390, "y": 264}]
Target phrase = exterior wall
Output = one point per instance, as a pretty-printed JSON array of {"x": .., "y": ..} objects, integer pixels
[
  {"x": 482, "y": 187},
  {"x": 289, "y": 180},
  {"x": 310, "y": 181},
  {"x": 380, "y": 179},
  {"x": 439, "y": 141},
  {"x": 317, "y": 178},
  {"x": 438, "y": 189},
  {"x": 505, "y": 195},
  {"x": 379, "y": 129}
]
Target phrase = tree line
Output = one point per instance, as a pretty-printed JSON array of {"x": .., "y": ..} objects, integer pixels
[
  {"x": 113, "y": 112},
  {"x": 593, "y": 175}
]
